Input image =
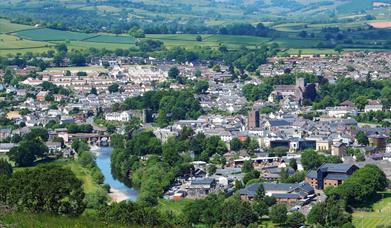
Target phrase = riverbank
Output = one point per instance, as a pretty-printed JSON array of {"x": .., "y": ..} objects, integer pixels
[{"x": 118, "y": 195}]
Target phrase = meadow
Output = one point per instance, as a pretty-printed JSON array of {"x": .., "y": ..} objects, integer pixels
[{"x": 7, "y": 27}]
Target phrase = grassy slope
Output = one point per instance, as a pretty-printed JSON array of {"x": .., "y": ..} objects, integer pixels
[
  {"x": 7, "y": 27},
  {"x": 380, "y": 216}
]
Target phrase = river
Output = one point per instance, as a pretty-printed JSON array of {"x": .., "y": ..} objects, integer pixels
[{"x": 119, "y": 191}]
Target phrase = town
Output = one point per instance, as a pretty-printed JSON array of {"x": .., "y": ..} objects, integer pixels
[{"x": 278, "y": 135}]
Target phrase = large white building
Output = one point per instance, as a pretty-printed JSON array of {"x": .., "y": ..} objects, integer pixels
[{"x": 118, "y": 116}]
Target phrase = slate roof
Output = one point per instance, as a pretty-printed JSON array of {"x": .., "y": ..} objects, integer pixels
[
  {"x": 336, "y": 168},
  {"x": 202, "y": 181},
  {"x": 276, "y": 123},
  {"x": 312, "y": 174},
  {"x": 286, "y": 195}
]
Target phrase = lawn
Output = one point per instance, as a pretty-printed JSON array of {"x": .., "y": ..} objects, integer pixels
[
  {"x": 45, "y": 34},
  {"x": 7, "y": 27},
  {"x": 380, "y": 216}
]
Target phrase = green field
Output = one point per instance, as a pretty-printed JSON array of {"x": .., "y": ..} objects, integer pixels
[
  {"x": 7, "y": 27},
  {"x": 381, "y": 214},
  {"x": 28, "y": 220},
  {"x": 13, "y": 42},
  {"x": 189, "y": 40},
  {"x": 112, "y": 39},
  {"x": 45, "y": 34}
]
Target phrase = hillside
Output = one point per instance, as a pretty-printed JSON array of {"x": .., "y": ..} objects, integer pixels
[{"x": 110, "y": 15}]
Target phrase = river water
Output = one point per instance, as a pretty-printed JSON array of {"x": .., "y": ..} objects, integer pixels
[{"x": 119, "y": 190}]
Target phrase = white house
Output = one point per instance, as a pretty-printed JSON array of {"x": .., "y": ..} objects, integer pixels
[{"x": 118, "y": 116}]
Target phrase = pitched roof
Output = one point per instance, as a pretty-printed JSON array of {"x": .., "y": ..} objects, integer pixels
[{"x": 336, "y": 168}]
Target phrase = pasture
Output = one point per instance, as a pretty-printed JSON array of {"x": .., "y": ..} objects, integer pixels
[
  {"x": 112, "y": 39},
  {"x": 45, "y": 34},
  {"x": 8, "y": 27}
]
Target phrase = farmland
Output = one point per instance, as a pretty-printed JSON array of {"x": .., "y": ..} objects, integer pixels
[
  {"x": 44, "y": 34},
  {"x": 112, "y": 39},
  {"x": 7, "y": 27}
]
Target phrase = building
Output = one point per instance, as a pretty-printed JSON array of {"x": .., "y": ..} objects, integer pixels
[
  {"x": 5, "y": 133},
  {"x": 284, "y": 193},
  {"x": 118, "y": 116},
  {"x": 6, "y": 147},
  {"x": 201, "y": 187},
  {"x": 297, "y": 92},
  {"x": 379, "y": 141},
  {"x": 253, "y": 120},
  {"x": 374, "y": 106},
  {"x": 338, "y": 149},
  {"x": 329, "y": 175},
  {"x": 41, "y": 96}
]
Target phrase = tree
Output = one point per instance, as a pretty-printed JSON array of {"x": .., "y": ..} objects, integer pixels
[
  {"x": 278, "y": 214},
  {"x": 247, "y": 166},
  {"x": 62, "y": 48},
  {"x": 362, "y": 138},
  {"x": 361, "y": 101},
  {"x": 5, "y": 168},
  {"x": 310, "y": 160},
  {"x": 235, "y": 144},
  {"x": 260, "y": 193},
  {"x": 50, "y": 188},
  {"x": 212, "y": 169},
  {"x": 87, "y": 159},
  {"x": 362, "y": 185},
  {"x": 293, "y": 164},
  {"x": 261, "y": 208},
  {"x": 315, "y": 216},
  {"x": 78, "y": 59},
  {"x": 295, "y": 220},
  {"x": 198, "y": 38},
  {"x": 201, "y": 86},
  {"x": 173, "y": 73},
  {"x": 27, "y": 152},
  {"x": 113, "y": 88},
  {"x": 93, "y": 91}
]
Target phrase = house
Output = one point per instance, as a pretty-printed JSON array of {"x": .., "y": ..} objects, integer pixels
[
  {"x": 374, "y": 106},
  {"x": 378, "y": 140},
  {"x": 323, "y": 145},
  {"x": 341, "y": 111},
  {"x": 13, "y": 115},
  {"x": 338, "y": 149},
  {"x": 329, "y": 174},
  {"x": 201, "y": 187},
  {"x": 272, "y": 124},
  {"x": 6, "y": 147},
  {"x": 118, "y": 116},
  {"x": 41, "y": 96},
  {"x": 54, "y": 147},
  {"x": 284, "y": 193},
  {"x": 5, "y": 133}
]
